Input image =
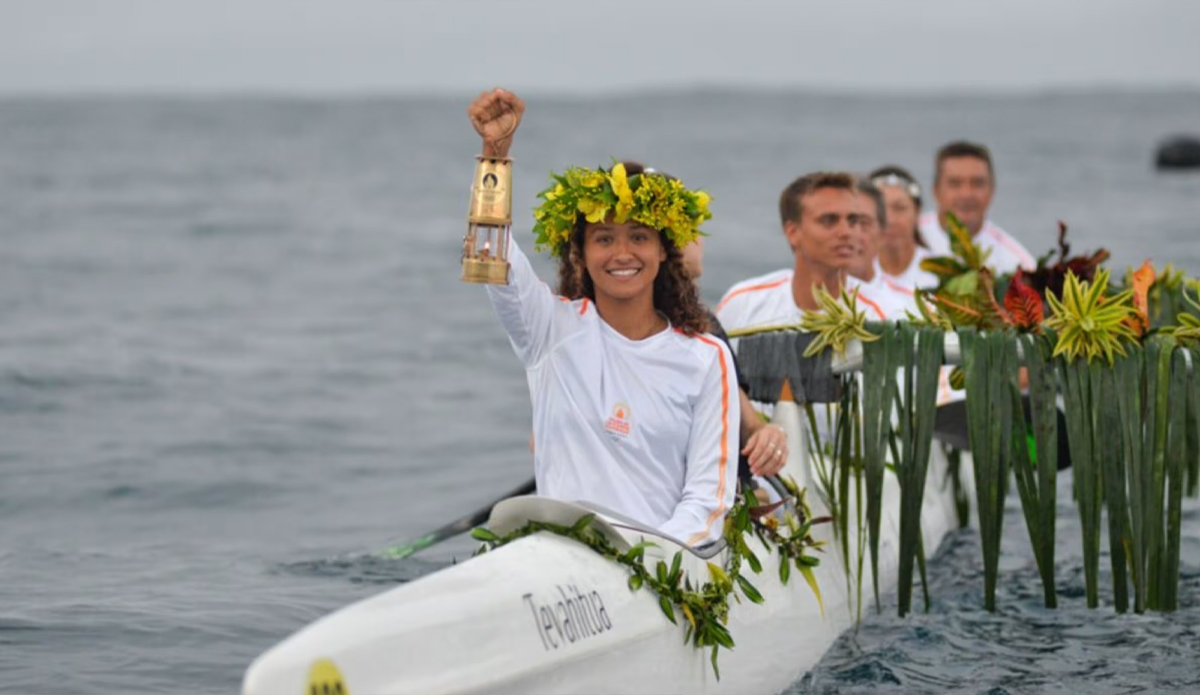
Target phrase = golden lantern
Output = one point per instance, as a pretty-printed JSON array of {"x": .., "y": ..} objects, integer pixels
[{"x": 485, "y": 247}]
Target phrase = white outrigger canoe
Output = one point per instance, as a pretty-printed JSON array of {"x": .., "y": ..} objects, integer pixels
[{"x": 545, "y": 614}]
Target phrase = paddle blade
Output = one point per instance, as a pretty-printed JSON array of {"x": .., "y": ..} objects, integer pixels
[{"x": 398, "y": 552}]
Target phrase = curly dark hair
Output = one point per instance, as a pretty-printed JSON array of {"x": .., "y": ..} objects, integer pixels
[{"x": 675, "y": 293}]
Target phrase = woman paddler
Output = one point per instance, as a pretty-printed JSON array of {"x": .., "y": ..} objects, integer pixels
[
  {"x": 635, "y": 408},
  {"x": 764, "y": 446}
]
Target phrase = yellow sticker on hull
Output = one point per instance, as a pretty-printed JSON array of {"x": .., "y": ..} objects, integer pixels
[{"x": 324, "y": 678}]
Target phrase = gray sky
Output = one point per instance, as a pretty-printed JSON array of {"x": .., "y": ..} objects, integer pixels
[{"x": 456, "y": 46}]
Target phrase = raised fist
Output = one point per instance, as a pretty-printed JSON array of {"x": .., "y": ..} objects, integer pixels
[{"x": 496, "y": 114}]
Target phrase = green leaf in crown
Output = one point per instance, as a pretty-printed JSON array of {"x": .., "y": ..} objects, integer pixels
[{"x": 651, "y": 199}]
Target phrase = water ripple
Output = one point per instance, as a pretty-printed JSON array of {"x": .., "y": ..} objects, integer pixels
[
  {"x": 1023, "y": 647},
  {"x": 363, "y": 569},
  {"x": 232, "y": 336}
]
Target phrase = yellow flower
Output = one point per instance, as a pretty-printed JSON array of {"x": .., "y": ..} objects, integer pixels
[
  {"x": 620, "y": 186},
  {"x": 593, "y": 179},
  {"x": 594, "y": 210},
  {"x": 558, "y": 190}
]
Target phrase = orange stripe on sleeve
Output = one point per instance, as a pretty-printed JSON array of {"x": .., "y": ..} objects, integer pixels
[
  {"x": 896, "y": 287},
  {"x": 751, "y": 288},
  {"x": 583, "y": 307},
  {"x": 873, "y": 305},
  {"x": 720, "y": 510}
]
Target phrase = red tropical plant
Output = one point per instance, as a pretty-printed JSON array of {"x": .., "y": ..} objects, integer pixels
[
  {"x": 1050, "y": 278},
  {"x": 1024, "y": 304}
]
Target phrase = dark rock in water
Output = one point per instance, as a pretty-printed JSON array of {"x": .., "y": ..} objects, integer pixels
[{"x": 1180, "y": 152}]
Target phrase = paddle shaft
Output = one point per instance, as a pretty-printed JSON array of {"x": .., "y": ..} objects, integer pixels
[
  {"x": 456, "y": 527},
  {"x": 481, "y": 515}
]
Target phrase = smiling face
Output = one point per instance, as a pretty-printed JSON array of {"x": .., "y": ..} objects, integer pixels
[
  {"x": 622, "y": 259},
  {"x": 964, "y": 186},
  {"x": 825, "y": 235}
]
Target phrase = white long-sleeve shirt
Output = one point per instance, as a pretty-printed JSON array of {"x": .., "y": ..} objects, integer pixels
[
  {"x": 648, "y": 428},
  {"x": 767, "y": 300},
  {"x": 893, "y": 299},
  {"x": 913, "y": 277}
]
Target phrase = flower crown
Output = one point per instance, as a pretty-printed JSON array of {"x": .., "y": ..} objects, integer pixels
[{"x": 651, "y": 199}]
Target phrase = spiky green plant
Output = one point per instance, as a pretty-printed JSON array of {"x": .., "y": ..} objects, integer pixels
[
  {"x": 836, "y": 323},
  {"x": 988, "y": 366},
  {"x": 1089, "y": 324},
  {"x": 1080, "y": 380},
  {"x": 1136, "y": 421},
  {"x": 1186, "y": 330},
  {"x": 1037, "y": 480},
  {"x": 916, "y": 418},
  {"x": 927, "y": 312},
  {"x": 881, "y": 359}
]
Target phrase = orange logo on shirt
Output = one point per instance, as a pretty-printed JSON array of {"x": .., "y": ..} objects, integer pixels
[{"x": 619, "y": 422}]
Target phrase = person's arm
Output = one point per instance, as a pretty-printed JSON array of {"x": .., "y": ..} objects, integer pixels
[
  {"x": 525, "y": 305},
  {"x": 711, "y": 477},
  {"x": 764, "y": 446}
]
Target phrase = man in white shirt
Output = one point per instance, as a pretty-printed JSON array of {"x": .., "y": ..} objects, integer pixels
[
  {"x": 964, "y": 182},
  {"x": 820, "y": 216}
]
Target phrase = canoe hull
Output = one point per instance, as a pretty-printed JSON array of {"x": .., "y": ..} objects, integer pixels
[{"x": 548, "y": 615}]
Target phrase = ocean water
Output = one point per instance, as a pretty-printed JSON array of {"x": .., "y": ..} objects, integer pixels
[
  {"x": 235, "y": 359},
  {"x": 957, "y": 647}
]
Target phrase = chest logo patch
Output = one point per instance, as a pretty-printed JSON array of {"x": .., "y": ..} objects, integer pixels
[{"x": 621, "y": 420}]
